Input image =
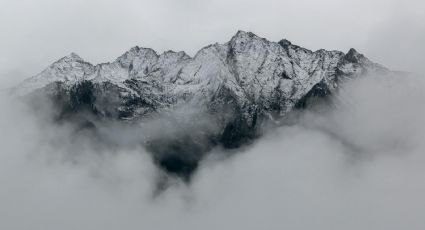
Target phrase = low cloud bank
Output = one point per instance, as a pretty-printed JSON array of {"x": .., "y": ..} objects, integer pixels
[{"x": 359, "y": 165}]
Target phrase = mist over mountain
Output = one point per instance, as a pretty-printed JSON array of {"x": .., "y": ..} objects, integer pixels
[
  {"x": 180, "y": 108},
  {"x": 358, "y": 165},
  {"x": 212, "y": 114},
  {"x": 250, "y": 134}
]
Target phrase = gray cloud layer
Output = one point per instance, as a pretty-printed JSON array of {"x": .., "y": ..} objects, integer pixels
[
  {"x": 358, "y": 166},
  {"x": 36, "y": 33}
]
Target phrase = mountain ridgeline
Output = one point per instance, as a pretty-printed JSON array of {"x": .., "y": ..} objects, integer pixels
[{"x": 219, "y": 97}]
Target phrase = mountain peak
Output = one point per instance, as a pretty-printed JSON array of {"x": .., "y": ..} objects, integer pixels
[
  {"x": 69, "y": 60},
  {"x": 137, "y": 50},
  {"x": 352, "y": 51},
  {"x": 354, "y": 56},
  {"x": 243, "y": 35},
  {"x": 284, "y": 42},
  {"x": 138, "y": 53},
  {"x": 73, "y": 56}
]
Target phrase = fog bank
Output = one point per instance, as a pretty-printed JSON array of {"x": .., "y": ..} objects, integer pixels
[{"x": 359, "y": 165}]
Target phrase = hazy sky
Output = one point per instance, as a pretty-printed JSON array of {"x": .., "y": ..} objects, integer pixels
[{"x": 35, "y": 33}]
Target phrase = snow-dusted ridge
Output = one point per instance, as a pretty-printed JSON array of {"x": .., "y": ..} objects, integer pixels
[
  {"x": 255, "y": 73},
  {"x": 304, "y": 65}
]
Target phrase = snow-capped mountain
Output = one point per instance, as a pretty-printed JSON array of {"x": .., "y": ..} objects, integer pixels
[
  {"x": 253, "y": 69},
  {"x": 242, "y": 82}
]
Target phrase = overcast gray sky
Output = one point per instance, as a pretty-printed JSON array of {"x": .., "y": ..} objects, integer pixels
[{"x": 35, "y": 33}]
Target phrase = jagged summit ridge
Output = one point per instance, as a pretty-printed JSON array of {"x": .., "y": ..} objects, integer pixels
[{"x": 255, "y": 72}]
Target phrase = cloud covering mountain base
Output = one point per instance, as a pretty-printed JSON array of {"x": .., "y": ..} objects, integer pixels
[{"x": 359, "y": 165}]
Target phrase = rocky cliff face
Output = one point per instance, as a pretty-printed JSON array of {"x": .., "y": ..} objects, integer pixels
[{"x": 239, "y": 85}]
